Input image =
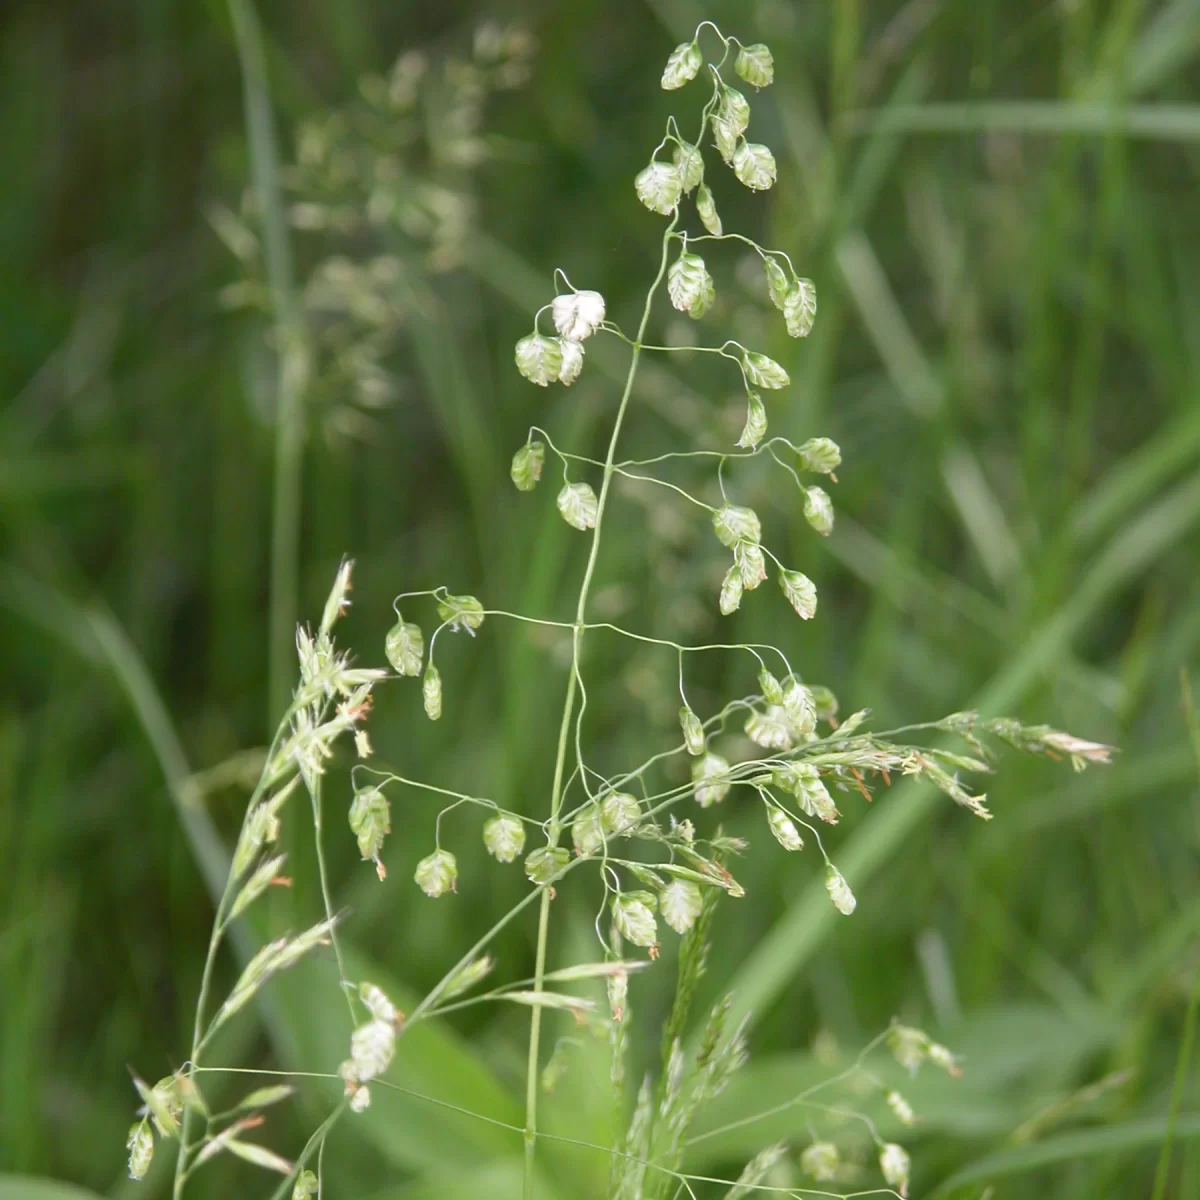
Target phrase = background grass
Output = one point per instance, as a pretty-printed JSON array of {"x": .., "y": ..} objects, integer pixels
[{"x": 997, "y": 202}]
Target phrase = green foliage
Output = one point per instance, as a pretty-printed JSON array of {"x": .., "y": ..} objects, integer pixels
[
  {"x": 1003, "y": 355},
  {"x": 13, "y": 1187}
]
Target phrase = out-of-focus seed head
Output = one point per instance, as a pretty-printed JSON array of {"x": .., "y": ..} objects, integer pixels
[
  {"x": 777, "y": 281},
  {"x": 941, "y": 1057},
  {"x": 710, "y": 779},
  {"x": 756, "y": 65},
  {"x": 734, "y": 523},
  {"x": 820, "y": 455},
  {"x": 141, "y": 1148},
  {"x": 901, "y": 1108},
  {"x": 895, "y": 1165},
  {"x": 405, "y": 647},
  {"x": 771, "y": 688},
  {"x": 734, "y": 111},
  {"x": 693, "y": 731},
  {"x": 731, "y": 591},
  {"x": 764, "y": 372},
  {"x": 544, "y": 864},
  {"x": 751, "y": 563},
  {"x": 784, "y": 829},
  {"x": 587, "y": 830},
  {"x": 370, "y": 821},
  {"x": 799, "y": 706},
  {"x": 376, "y": 1002},
  {"x": 909, "y": 1046},
  {"x": 620, "y": 813},
  {"x": 754, "y": 165},
  {"x": 839, "y": 891},
  {"x": 572, "y": 362},
  {"x": 682, "y": 64},
  {"x": 821, "y": 1160},
  {"x": 504, "y": 837},
  {"x": 527, "y": 466},
  {"x": 755, "y": 428},
  {"x": 801, "y": 593},
  {"x": 688, "y": 281},
  {"x": 800, "y": 308},
  {"x": 680, "y": 904},
  {"x": 577, "y": 315},
  {"x": 431, "y": 693},
  {"x": 437, "y": 873},
  {"x": 818, "y": 510},
  {"x": 539, "y": 358},
  {"x": 633, "y": 917},
  {"x": 690, "y": 164},
  {"x": 659, "y": 187},
  {"x": 578, "y": 505},
  {"x": 706, "y": 210},
  {"x": 306, "y": 1185},
  {"x": 460, "y": 612}
]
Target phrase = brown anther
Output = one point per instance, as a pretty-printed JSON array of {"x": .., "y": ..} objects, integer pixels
[{"x": 359, "y": 711}]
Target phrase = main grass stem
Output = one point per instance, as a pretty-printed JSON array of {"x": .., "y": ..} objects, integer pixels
[{"x": 556, "y": 792}]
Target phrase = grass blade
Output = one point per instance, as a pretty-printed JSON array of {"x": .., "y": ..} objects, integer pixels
[
  {"x": 1147, "y": 122},
  {"x": 1162, "y": 1171},
  {"x": 24, "y": 1187},
  {"x": 292, "y": 366},
  {"x": 1107, "y": 1141}
]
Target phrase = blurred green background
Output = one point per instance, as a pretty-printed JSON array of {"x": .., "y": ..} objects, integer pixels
[{"x": 998, "y": 204}]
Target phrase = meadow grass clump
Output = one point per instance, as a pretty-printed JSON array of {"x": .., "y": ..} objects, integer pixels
[{"x": 657, "y": 861}]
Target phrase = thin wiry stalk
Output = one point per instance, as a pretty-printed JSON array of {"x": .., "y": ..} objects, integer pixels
[
  {"x": 199, "y": 1038},
  {"x": 535, "y": 1027},
  {"x": 316, "y": 1142},
  {"x": 291, "y": 351},
  {"x": 214, "y": 943}
]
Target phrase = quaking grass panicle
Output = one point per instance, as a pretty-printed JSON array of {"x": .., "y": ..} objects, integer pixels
[{"x": 657, "y": 862}]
